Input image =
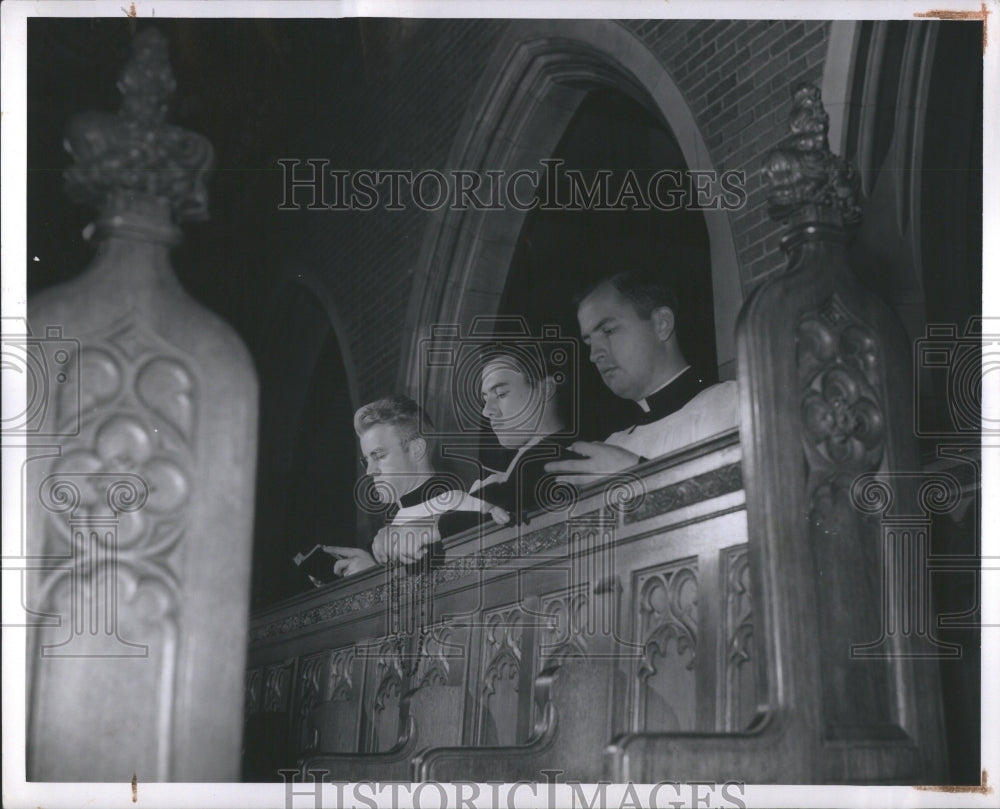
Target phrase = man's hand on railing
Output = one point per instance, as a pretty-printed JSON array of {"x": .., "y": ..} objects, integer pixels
[
  {"x": 349, "y": 560},
  {"x": 600, "y": 461},
  {"x": 406, "y": 542}
]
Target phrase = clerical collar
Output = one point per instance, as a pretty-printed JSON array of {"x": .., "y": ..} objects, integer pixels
[
  {"x": 670, "y": 397},
  {"x": 426, "y": 490}
]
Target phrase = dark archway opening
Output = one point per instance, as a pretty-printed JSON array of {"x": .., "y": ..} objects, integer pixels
[
  {"x": 560, "y": 252},
  {"x": 307, "y": 456}
]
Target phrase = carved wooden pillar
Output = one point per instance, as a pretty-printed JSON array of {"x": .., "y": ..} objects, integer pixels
[
  {"x": 142, "y": 511},
  {"x": 826, "y": 398}
]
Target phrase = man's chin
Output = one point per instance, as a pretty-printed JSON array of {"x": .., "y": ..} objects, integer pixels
[
  {"x": 621, "y": 391},
  {"x": 511, "y": 441}
]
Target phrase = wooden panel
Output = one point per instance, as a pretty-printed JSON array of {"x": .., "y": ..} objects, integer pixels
[
  {"x": 503, "y": 674},
  {"x": 739, "y": 695},
  {"x": 666, "y": 616}
]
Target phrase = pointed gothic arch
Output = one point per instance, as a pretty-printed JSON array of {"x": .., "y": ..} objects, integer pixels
[{"x": 533, "y": 84}]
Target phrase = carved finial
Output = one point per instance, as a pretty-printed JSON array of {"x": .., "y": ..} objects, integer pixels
[
  {"x": 133, "y": 161},
  {"x": 803, "y": 172},
  {"x": 147, "y": 80}
]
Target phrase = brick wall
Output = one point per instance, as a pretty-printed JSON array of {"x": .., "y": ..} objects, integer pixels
[
  {"x": 736, "y": 76},
  {"x": 402, "y": 111}
]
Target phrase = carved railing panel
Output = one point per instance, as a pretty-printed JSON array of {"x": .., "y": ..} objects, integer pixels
[
  {"x": 740, "y": 695},
  {"x": 502, "y": 672},
  {"x": 251, "y": 692},
  {"x": 384, "y": 688},
  {"x": 666, "y": 616},
  {"x": 276, "y": 687},
  {"x": 327, "y": 709}
]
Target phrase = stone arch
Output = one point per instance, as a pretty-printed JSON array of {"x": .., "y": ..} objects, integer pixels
[
  {"x": 309, "y": 390},
  {"x": 310, "y": 279},
  {"x": 535, "y": 80}
]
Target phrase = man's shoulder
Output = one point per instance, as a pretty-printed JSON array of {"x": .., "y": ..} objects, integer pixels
[
  {"x": 721, "y": 393},
  {"x": 712, "y": 410}
]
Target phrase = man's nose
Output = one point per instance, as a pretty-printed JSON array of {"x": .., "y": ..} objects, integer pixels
[
  {"x": 490, "y": 409},
  {"x": 371, "y": 466},
  {"x": 597, "y": 351}
]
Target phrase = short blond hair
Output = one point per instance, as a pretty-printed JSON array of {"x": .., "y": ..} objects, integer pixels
[{"x": 400, "y": 412}]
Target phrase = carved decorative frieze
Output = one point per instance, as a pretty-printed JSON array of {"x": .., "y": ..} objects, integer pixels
[{"x": 701, "y": 487}]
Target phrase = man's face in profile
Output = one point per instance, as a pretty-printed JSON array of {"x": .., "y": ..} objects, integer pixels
[
  {"x": 388, "y": 460},
  {"x": 623, "y": 345},
  {"x": 511, "y": 403}
]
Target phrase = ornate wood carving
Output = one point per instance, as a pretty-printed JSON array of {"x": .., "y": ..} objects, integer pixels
[
  {"x": 715, "y": 483},
  {"x": 502, "y": 659},
  {"x": 842, "y": 410},
  {"x": 802, "y": 172},
  {"x": 529, "y": 543},
  {"x": 388, "y": 658},
  {"x": 251, "y": 692},
  {"x": 564, "y": 632},
  {"x": 310, "y": 683},
  {"x": 276, "y": 681},
  {"x": 738, "y": 633},
  {"x": 135, "y": 153},
  {"x": 339, "y": 681},
  {"x": 666, "y": 611},
  {"x": 159, "y": 398},
  {"x": 437, "y": 654},
  {"x": 502, "y": 648}
]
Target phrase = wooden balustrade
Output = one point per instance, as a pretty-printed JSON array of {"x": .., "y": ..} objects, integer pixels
[{"x": 626, "y": 610}]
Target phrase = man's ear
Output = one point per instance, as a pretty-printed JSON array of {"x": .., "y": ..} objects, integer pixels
[
  {"x": 663, "y": 323},
  {"x": 417, "y": 448}
]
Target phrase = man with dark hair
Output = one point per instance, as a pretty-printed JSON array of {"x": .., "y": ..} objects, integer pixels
[
  {"x": 519, "y": 396},
  {"x": 398, "y": 458},
  {"x": 629, "y": 322}
]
